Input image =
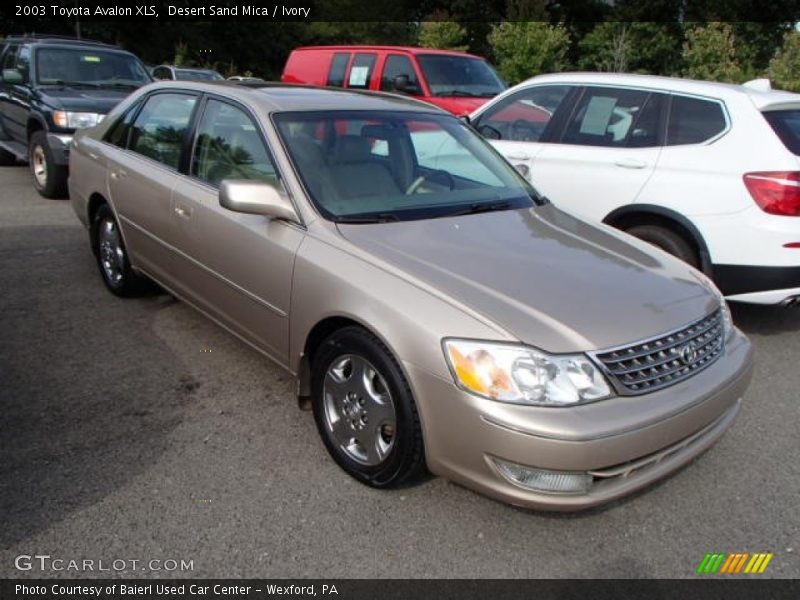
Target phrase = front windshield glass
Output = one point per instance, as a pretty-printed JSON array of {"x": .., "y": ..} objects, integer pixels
[
  {"x": 460, "y": 76},
  {"x": 88, "y": 66},
  {"x": 361, "y": 166}
]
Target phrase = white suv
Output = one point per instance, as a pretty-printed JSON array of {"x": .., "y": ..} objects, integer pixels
[{"x": 707, "y": 171}]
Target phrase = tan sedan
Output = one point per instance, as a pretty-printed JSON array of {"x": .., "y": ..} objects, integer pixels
[{"x": 436, "y": 311}]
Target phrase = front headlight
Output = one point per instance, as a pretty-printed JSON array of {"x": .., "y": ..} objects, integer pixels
[
  {"x": 727, "y": 318},
  {"x": 76, "y": 120},
  {"x": 523, "y": 375}
]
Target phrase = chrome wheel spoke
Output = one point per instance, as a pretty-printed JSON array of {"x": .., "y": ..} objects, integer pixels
[{"x": 342, "y": 434}]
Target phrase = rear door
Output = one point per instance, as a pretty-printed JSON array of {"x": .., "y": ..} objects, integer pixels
[
  {"x": 237, "y": 267},
  {"x": 141, "y": 178},
  {"x": 361, "y": 71},
  {"x": 606, "y": 152}
]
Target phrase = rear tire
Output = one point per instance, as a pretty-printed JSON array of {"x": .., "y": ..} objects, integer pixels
[
  {"x": 364, "y": 410},
  {"x": 112, "y": 257},
  {"x": 49, "y": 178},
  {"x": 667, "y": 240}
]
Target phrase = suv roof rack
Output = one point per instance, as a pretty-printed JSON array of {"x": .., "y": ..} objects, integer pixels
[{"x": 61, "y": 39}]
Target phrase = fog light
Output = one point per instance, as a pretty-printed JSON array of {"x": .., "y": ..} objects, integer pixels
[{"x": 543, "y": 480}]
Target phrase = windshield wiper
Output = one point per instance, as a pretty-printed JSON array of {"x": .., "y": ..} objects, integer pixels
[
  {"x": 119, "y": 84},
  {"x": 66, "y": 83},
  {"x": 370, "y": 218},
  {"x": 458, "y": 93},
  {"x": 480, "y": 207}
]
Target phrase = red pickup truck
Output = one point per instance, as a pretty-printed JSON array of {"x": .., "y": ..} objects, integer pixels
[{"x": 454, "y": 81}]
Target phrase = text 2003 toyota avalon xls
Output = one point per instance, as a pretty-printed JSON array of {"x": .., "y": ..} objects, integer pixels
[{"x": 435, "y": 310}]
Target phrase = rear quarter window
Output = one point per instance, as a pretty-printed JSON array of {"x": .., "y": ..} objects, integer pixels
[
  {"x": 694, "y": 120},
  {"x": 786, "y": 125}
]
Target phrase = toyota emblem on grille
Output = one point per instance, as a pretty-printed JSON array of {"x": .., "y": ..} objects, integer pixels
[{"x": 688, "y": 353}]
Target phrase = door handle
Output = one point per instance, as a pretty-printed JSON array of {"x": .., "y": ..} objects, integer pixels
[
  {"x": 118, "y": 174},
  {"x": 518, "y": 157},
  {"x": 182, "y": 212},
  {"x": 631, "y": 163}
]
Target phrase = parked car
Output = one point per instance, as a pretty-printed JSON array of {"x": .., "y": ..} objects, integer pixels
[
  {"x": 433, "y": 315},
  {"x": 708, "y": 172},
  {"x": 186, "y": 73},
  {"x": 49, "y": 88},
  {"x": 245, "y": 79},
  {"x": 455, "y": 81}
]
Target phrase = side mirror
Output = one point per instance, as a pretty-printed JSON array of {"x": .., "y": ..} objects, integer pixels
[
  {"x": 255, "y": 198},
  {"x": 403, "y": 84},
  {"x": 489, "y": 132},
  {"x": 12, "y": 76}
]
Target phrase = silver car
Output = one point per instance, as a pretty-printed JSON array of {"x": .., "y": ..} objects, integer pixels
[{"x": 435, "y": 310}]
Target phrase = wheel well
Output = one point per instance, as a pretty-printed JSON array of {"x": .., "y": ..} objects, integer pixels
[
  {"x": 33, "y": 126},
  {"x": 627, "y": 220},
  {"x": 95, "y": 202},
  {"x": 316, "y": 336}
]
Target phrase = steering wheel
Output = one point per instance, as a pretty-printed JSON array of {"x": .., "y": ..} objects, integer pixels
[
  {"x": 415, "y": 185},
  {"x": 523, "y": 131}
]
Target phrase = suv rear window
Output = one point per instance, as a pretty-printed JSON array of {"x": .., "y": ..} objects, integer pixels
[{"x": 786, "y": 124}]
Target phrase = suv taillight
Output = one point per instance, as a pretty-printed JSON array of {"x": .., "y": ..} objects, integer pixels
[{"x": 775, "y": 192}]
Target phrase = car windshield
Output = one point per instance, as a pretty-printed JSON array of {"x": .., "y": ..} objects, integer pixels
[
  {"x": 197, "y": 75},
  {"x": 88, "y": 66},
  {"x": 460, "y": 76},
  {"x": 360, "y": 166}
]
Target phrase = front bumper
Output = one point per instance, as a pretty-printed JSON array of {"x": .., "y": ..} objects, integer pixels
[
  {"x": 59, "y": 146},
  {"x": 626, "y": 442}
]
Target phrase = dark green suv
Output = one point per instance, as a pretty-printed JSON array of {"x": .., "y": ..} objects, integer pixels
[{"x": 51, "y": 86}]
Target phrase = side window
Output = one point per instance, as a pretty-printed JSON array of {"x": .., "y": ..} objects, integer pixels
[
  {"x": 159, "y": 129},
  {"x": 693, "y": 120},
  {"x": 229, "y": 146},
  {"x": 361, "y": 71},
  {"x": 338, "y": 68},
  {"x": 118, "y": 133},
  {"x": 24, "y": 62},
  {"x": 522, "y": 117},
  {"x": 395, "y": 66},
  {"x": 605, "y": 117}
]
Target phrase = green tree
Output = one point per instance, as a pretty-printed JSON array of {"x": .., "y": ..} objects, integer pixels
[
  {"x": 440, "y": 31},
  {"x": 784, "y": 68},
  {"x": 527, "y": 48},
  {"x": 638, "y": 47},
  {"x": 709, "y": 52}
]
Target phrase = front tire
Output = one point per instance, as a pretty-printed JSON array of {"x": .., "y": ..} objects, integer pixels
[
  {"x": 365, "y": 411},
  {"x": 49, "y": 178},
  {"x": 112, "y": 258},
  {"x": 667, "y": 240}
]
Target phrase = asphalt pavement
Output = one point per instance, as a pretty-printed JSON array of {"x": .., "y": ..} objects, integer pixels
[{"x": 137, "y": 430}]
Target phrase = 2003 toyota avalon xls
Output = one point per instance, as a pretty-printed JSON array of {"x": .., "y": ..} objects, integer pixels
[{"x": 435, "y": 310}]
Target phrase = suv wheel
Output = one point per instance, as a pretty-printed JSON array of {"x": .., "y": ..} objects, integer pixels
[
  {"x": 667, "y": 240},
  {"x": 112, "y": 259},
  {"x": 365, "y": 411},
  {"x": 49, "y": 179}
]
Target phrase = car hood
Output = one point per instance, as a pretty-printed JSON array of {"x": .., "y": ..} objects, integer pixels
[
  {"x": 96, "y": 100},
  {"x": 547, "y": 278},
  {"x": 457, "y": 105}
]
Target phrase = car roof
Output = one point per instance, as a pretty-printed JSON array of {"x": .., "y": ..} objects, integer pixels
[
  {"x": 763, "y": 99},
  {"x": 409, "y": 49},
  {"x": 279, "y": 97}
]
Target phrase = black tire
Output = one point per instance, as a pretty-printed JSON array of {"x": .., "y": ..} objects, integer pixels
[
  {"x": 667, "y": 240},
  {"x": 49, "y": 178},
  {"x": 118, "y": 276},
  {"x": 404, "y": 461}
]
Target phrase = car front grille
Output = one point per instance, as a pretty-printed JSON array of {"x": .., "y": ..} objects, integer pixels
[{"x": 654, "y": 364}]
